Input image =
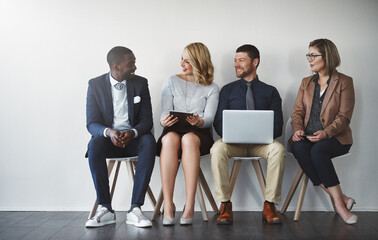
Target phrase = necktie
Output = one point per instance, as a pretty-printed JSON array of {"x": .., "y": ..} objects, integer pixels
[
  {"x": 249, "y": 97},
  {"x": 119, "y": 86}
]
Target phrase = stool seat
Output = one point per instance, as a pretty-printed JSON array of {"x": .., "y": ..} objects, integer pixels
[{"x": 123, "y": 159}]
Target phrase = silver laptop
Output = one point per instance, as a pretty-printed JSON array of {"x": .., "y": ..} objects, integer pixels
[{"x": 248, "y": 126}]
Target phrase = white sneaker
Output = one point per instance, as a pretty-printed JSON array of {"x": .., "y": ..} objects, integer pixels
[
  {"x": 102, "y": 217},
  {"x": 137, "y": 218}
]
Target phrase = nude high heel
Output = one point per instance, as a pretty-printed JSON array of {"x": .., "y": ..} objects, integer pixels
[
  {"x": 185, "y": 221},
  {"x": 352, "y": 220},
  {"x": 170, "y": 221},
  {"x": 350, "y": 203}
]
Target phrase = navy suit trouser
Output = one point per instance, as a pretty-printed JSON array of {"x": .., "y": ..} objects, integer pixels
[
  {"x": 99, "y": 148},
  {"x": 315, "y": 159}
]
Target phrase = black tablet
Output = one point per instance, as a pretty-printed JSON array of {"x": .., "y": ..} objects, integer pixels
[
  {"x": 182, "y": 125},
  {"x": 307, "y": 135}
]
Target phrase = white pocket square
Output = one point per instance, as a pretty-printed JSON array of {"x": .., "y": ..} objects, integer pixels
[{"x": 136, "y": 99}]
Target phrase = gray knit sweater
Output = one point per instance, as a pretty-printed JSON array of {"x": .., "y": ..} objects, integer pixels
[{"x": 180, "y": 95}]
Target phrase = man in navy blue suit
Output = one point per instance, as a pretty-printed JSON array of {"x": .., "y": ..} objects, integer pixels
[{"x": 119, "y": 118}]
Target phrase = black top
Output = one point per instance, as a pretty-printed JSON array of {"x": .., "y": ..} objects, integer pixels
[
  {"x": 266, "y": 97},
  {"x": 314, "y": 123}
]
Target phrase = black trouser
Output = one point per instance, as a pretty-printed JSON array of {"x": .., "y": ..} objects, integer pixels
[
  {"x": 315, "y": 159},
  {"x": 100, "y": 148}
]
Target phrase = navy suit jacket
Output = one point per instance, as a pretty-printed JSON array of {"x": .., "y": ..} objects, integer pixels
[
  {"x": 100, "y": 105},
  {"x": 266, "y": 97}
]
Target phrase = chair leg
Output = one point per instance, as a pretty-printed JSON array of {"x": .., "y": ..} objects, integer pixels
[
  {"x": 95, "y": 205},
  {"x": 260, "y": 175},
  {"x": 94, "y": 209},
  {"x": 149, "y": 191},
  {"x": 206, "y": 189},
  {"x": 301, "y": 196},
  {"x": 292, "y": 190},
  {"x": 234, "y": 175},
  {"x": 130, "y": 169},
  {"x": 114, "y": 180},
  {"x": 158, "y": 205},
  {"x": 151, "y": 196},
  {"x": 202, "y": 202}
]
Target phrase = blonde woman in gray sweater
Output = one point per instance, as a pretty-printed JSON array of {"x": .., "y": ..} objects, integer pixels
[{"x": 192, "y": 91}]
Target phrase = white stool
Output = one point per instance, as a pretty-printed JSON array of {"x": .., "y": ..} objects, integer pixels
[{"x": 256, "y": 165}]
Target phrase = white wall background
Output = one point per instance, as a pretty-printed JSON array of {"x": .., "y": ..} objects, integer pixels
[{"x": 50, "y": 49}]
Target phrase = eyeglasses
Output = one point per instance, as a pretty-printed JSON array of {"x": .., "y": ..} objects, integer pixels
[{"x": 312, "y": 56}]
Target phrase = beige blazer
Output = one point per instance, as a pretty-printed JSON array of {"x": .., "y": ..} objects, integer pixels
[{"x": 337, "y": 108}]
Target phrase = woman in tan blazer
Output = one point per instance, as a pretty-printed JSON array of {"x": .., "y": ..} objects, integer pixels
[{"x": 320, "y": 120}]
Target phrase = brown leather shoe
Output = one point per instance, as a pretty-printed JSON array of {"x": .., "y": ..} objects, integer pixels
[
  {"x": 269, "y": 214},
  {"x": 225, "y": 216}
]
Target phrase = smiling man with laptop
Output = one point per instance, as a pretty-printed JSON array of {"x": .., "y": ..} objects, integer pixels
[{"x": 248, "y": 132}]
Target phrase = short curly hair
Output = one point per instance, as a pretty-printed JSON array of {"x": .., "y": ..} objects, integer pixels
[{"x": 117, "y": 54}]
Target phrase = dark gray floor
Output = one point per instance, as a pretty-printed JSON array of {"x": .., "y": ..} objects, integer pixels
[{"x": 247, "y": 225}]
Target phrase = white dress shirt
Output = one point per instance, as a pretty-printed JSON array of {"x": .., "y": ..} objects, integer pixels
[{"x": 120, "y": 108}]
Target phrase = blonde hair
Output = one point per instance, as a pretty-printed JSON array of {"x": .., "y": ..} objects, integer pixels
[
  {"x": 200, "y": 59},
  {"x": 329, "y": 53}
]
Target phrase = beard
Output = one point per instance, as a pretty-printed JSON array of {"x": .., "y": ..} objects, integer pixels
[{"x": 245, "y": 72}]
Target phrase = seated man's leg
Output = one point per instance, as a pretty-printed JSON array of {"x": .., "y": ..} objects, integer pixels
[
  {"x": 275, "y": 154},
  {"x": 220, "y": 154},
  {"x": 97, "y": 151},
  {"x": 145, "y": 146}
]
